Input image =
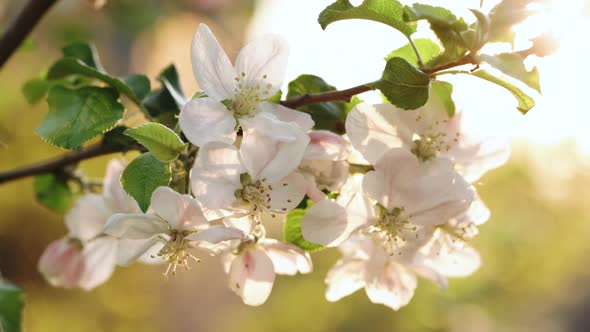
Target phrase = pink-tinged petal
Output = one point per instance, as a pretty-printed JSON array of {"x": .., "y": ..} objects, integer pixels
[
  {"x": 474, "y": 156},
  {"x": 182, "y": 212},
  {"x": 311, "y": 188},
  {"x": 100, "y": 255},
  {"x": 373, "y": 130},
  {"x": 477, "y": 214},
  {"x": 303, "y": 120},
  {"x": 326, "y": 145},
  {"x": 135, "y": 226},
  {"x": 216, "y": 234},
  {"x": 287, "y": 259},
  {"x": 251, "y": 276},
  {"x": 263, "y": 63},
  {"x": 211, "y": 66},
  {"x": 116, "y": 199},
  {"x": 62, "y": 263},
  {"x": 286, "y": 194},
  {"x": 246, "y": 224},
  {"x": 132, "y": 250},
  {"x": 390, "y": 284},
  {"x": 345, "y": 278},
  {"x": 449, "y": 256},
  {"x": 207, "y": 120},
  {"x": 329, "y": 223},
  {"x": 429, "y": 273},
  {"x": 88, "y": 217},
  {"x": 326, "y": 174},
  {"x": 271, "y": 148},
  {"x": 216, "y": 176}
]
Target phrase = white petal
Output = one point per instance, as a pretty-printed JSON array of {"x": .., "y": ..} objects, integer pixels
[
  {"x": 303, "y": 120},
  {"x": 216, "y": 234},
  {"x": 286, "y": 258},
  {"x": 246, "y": 224},
  {"x": 100, "y": 255},
  {"x": 271, "y": 148},
  {"x": 211, "y": 66},
  {"x": 263, "y": 62},
  {"x": 449, "y": 256},
  {"x": 477, "y": 214},
  {"x": 62, "y": 263},
  {"x": 473, "y": 156},
  {"x": 287, "y": 193},
  {"x": 88, "y": 217},
  {"x": 326, "y": 145},
  {"x": 391, "y": 284},
  {"x": 114, "y": 195},
  {"x": 345, "y": 278},
  {"x": 251, "y": 276},
  {"x": 373, "y": 130},
  {"x": 135, "y": 226},
  {"x": 205, "y": 120},
  {"x": 216, "y": 175},
  {"x": 131, "y": 250},
  {"x": 182, "y": 212}
]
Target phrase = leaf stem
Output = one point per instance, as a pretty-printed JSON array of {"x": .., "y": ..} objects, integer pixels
[{"x": 418, "y": 56}]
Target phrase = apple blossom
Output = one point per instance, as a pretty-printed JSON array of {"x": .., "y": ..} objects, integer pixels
[{"x": 235, "y": 94}]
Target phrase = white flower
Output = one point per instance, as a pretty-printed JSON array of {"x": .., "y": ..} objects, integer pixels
[
  {"x": 235, "y": 94},
  {"x": 324, "y": 165},
  {"x": 428, "y": 132},
  {"x": 258, "y": 178},
  {"x": 252, "y": 270},
  {"x": 177, "y": 222},
  {"x": 401, "y": 201},
  {"x": 86, "y": 257}
]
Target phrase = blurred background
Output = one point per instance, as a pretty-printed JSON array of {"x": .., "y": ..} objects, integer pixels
[{"x": 535, "y": 249}]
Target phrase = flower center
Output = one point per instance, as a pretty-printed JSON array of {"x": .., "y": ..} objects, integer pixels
[
  {"x": 256, "y": 194},
  {"x": 393, "y": 227},
  {"x": 175, "y": 252},
  {"x": 247, "y": 96},
  {"x": 433, "y": 141}
]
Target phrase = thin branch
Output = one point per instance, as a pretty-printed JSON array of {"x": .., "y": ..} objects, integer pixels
[
  {"x": 58, "y": 164},
  {"x": 324, "y": 97},
  {"x": 418, "y": 56},
  {"x": 22, "y": 25}
]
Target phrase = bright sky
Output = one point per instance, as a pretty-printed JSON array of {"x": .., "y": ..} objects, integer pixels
[{"x": 350, "y": 53}]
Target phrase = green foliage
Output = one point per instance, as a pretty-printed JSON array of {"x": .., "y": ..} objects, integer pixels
[
  {"x": 164, "y": 104},
  {"x": 11, "y": 308},
  {"x": 169, "y": 79},
  {"x": 53, "y": 192},
  {"x": 525, "y": 103},
  {"x": 328, "y": 116},
  {"x": 77, "y": 115},
  {"x": 84, "y": 52},
  {"x": 403, "y": 84},
  {"x": 35, "y": 90},
  {"x": 388, "y": 12},
  {"x": 477, "y": 35},
  {"x": 443, "y": 91},
  {"x": 512, "y": 64},
  {"x": 162, "y": 142},
  {"x": 142, "y": 176},
  {"x": 116, "y": 139},
  {"x": 139, "y": 84},
  {"x": 293, "y": 234},
  {"x": 427, "y": 48}
]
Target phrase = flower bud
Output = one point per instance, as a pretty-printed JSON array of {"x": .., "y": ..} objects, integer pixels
[{"x": 62, "y": 263}]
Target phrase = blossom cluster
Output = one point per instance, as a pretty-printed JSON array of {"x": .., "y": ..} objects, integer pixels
[{"x": 412, "y": 213}]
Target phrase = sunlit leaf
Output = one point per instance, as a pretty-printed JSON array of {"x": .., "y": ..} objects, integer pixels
[
  {"x": 403, "y": 84},
  {"x": 142, "y": 176},
  {"x": 162, "y": 142}
]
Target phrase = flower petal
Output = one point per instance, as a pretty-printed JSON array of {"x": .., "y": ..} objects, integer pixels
[
  {"x": 303, "y": 120},
  {"x": 62, "y": 263},
  {"x": 287, "y": 259},
  {"x": 182, "y": 212},
  {"x": 211, "y": 66},
  {"x": 271, "y": 148},
  {"x": 88, "y": 217},
  {"x": 263, "y": 62},
  {"x": 132, "y": 250},
  {"x": 345, "y": 278},
  {"x": 216, "y": 234},
  {"x": 135, "y": 226},
  {"x": 286, "y": 194},
  {"x": 216, "y": 175},
  {"x": 326, "y": 145},
  {"x": 100, "y": 255},
  {"x": 114, "y": 195},
  {"x": 391, "y": 284},
  {"x": 449, "y": 256},
  {"x": 205, "y": 120},
  {"x": 251, "y": 276}
]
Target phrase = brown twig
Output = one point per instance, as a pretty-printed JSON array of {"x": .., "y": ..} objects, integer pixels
[
  {"x": 324, "y": 97},
  {"x": 21, "y": 26}
]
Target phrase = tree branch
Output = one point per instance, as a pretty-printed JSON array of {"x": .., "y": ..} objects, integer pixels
[
  {"x": 58, "y": 164},
  {"x": 324, "y": 97},
  {"x": 22, "y": 25}
]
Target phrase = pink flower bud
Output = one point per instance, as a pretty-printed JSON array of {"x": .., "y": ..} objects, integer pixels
[
  {"x": 325, "y": 145},
  {"x": 62, "y": 263}
]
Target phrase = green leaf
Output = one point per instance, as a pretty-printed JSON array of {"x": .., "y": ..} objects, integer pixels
[
  {"x": 162, "y": 142},
  {"x": 34, "y": 90},
  {"x": 142, "y": 176},
  {"x": 403, "y": 84},
  {"x": 512, "y": 64},
  {"x": 139, "y": 84},
  {"x": 72, "y": 66},
  {"x": 11, "y": 308},
  {"x": 427, "y": 48},
  {"x": 525, "y": 103},
  {"x": 53, "y": 192},
  {"x": 326, "y": 115},
  {"x": 84, "y": 52},
  {"x": 77, "y": 115},
  {"x": 293, "y": 234},
  {"x": 443, "y": 91},
  {"x": 276, "y": 98},
  {"x": 434, "y": 15},
  {"x": 169, "y": 79},
  {"x": 116, "y": 139},
  {"x": 388, "y": 12},
  {"x": 478, "y": 34}
]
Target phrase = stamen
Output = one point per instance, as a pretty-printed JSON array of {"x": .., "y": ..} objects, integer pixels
[{"x": 175, "y": 252}]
